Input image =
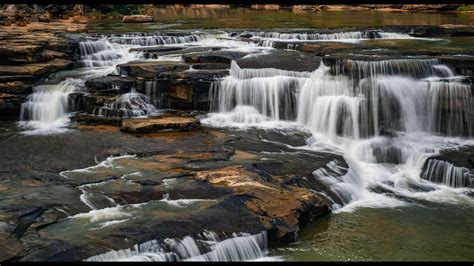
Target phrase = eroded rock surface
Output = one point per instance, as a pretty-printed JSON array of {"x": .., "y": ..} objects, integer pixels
[
  {"x": 186, "y": 180},
  {"x": 156, "y": 124}
]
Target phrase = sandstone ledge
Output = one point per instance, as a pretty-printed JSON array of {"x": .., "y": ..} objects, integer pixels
[{"x": 151, "y": 125}]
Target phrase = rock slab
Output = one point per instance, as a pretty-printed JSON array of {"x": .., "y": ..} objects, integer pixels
[{"x": 151, "y": 125}]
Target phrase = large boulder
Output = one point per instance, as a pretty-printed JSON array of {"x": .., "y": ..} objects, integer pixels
[{"x": 137, "y": 19}]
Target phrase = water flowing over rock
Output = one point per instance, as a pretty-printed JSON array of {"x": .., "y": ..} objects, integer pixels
[
  {"x": 371, "y": 111},
  {"x": 208, "y": 247}
]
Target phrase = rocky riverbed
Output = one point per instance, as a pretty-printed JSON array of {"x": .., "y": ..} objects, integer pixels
[
  {"x": 251, "y": 185},
  {"x": 129, "y": 137}
]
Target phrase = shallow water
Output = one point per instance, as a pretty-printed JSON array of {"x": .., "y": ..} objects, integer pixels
[
  {"x": 425, "y": 232},
  {"x": 201, "y": 18}
]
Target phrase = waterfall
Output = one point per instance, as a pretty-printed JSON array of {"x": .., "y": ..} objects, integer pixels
[
  {"x": 127, "y": 105},
  {"x": 206, "y": 247},
  {"x": 446, "y": 173},
  {"x": 153, "y": 39},
  {"x": 47, "y": 107},
  {"x": 386, "y": 117},
  {"x": 351, "y": 35}
]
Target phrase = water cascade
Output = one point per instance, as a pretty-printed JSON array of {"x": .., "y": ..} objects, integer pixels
[
  {"x": 47, "y": 107},
  {"x": 267, "y": 39},
  {"x": 206, "y": 247},
  {"x": 153, "y": 39},
  {"x": 127, "y": 105},
  {"x": 386, "y": 117}
]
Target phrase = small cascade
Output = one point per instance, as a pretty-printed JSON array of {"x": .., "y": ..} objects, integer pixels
[
  {"x": 154, "y": 39},
  {"x": 47, "y": 107},
  {"x": 446, "y": 173},
  {"x": 268, "y": 39},
  {"x": 206, "y": 247},
  {"x": 103, "y": 53},
  {"x": 415, "y": 68},
  {"x": 127, "y": 105},
  {"x": 351, "y": 35},
  {"x": 93, "y": 47},
  {"x": 451, "y": 108},
  {"x": 386, "y": 117},
  {"x": 270, "y": 91}
]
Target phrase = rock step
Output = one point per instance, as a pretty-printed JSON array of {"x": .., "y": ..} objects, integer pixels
[{"x": 156, "y": 124}]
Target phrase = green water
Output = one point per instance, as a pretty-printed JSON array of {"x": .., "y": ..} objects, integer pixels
[
  {"x": 201, "y": 18},
  {"x": 413, "y": 233}
]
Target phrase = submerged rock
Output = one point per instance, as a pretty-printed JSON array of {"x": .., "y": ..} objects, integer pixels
[{"x": 150, "y": 125}]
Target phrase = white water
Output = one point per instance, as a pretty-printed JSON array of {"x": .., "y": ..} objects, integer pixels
[
  {"x": 267, "y": 39},
  {"x": 351, "y": 113},
  {"x": 48, "y": 107},
  {"x": 206, "y": 247}
]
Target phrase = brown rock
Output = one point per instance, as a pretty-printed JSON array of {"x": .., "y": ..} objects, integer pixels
[
  {"x": 150, "y": 125},
  {"x": 36, "y": 69},
  {"x": 280, "y": 209},
  {"x": 43, "y": 18},
  {"x": 137, "y": 19}
]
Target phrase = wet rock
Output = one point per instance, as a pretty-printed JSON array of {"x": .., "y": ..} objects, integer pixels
[
  {"x": 150, "y": 125},
  {"x": 10, "y": 105},
  {"x": 110, "y": 85},
  {"x": 137, "y": 19},
  {"x": 37, "y": 69},
  {"x": 96, "y": 120},
  {"x": 279, "y": 209},
  {"x": 150, "y": 69},
  {"x": 285, "y": 60},
  {"x": 222, "y": 57}
]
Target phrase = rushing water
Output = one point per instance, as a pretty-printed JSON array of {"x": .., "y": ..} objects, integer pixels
[
  {"x": 208, "y": 247},
  {"x": 387, "y": 118}
]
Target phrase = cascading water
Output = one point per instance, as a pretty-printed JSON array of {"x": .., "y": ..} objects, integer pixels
[
  {"x": 153, "y": 39},
  {"x": 47, "y": 108},
  {"x": 268, "y": 39},
  {"x": 386, "y": 117},
  {"x": 207, "y": 247},
  {"x": 355, "y": 35},
  {"x": 127, "y": 105}
]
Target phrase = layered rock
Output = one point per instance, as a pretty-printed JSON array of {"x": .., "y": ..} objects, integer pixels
[
  {"x": 217, "y": 174},
  {"x": 157, "y": 124},
  {"x": 26, "y": 58}
]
